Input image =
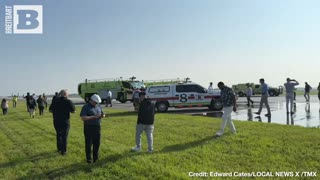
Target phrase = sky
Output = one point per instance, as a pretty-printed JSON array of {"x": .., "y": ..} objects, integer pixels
[{"x": 234, "y": 41}]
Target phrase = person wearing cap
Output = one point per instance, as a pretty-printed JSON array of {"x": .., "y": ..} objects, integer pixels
[
  {"x": 61, "y": 108},
  {"x": 91, "y": 115},
  {"x": 145, "y": 122}
]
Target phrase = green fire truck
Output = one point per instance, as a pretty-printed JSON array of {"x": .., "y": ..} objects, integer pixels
[{"x": 121, "y": 89}]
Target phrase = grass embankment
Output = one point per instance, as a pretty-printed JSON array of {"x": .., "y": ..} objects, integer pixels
[{"x": 182, "y": 144}]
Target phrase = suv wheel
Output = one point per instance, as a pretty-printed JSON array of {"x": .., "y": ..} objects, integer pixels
[
  {"x": 162, "y": 106},
  {"x": 121, "y": 98},
  {"x": 216, "y": 104},
  {"x": 241, "y": 94},
  {"x": 271, "y": 93}
]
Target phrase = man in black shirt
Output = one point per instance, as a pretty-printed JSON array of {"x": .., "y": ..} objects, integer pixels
[
  {"x": 61, "y": 108},
  {"x": 145, "y": 122}
]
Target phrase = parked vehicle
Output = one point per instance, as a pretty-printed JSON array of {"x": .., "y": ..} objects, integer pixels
[
  {"x": 240, "y": 89},
  {"x": 121, "y": 89},
  {"x": 183, "y": 95}
]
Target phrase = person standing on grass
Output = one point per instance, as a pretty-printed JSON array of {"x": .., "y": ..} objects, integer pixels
[
  {"x": 4, "y": 106},
  {"x": 32, "y": 106},
  {"x": 249, "y": 94},
  {"x": 290, "y": 86},
  {"x": 14, "y": 101},
  {"x": 41, "y": 105},
  {"x": 264, "y": 97},
  {"x": 44, "y": 97},
  {"x": 27, "y": 97},
  {"x": 61, "y": 108},
  {"x": 91, "y": 115},
  {"x": 228, "y": 99},
  {"x": 145, "y": 122},
  {"x": 56, "y": 95},
  {"x": 307, "y": 89}
]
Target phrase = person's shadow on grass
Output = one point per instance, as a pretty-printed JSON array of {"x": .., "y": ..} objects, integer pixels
[
  {"x": 188, "y": 145},
  {"x": 34, "y": 158}
]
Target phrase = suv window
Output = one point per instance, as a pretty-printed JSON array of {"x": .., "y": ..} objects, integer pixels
[
  {"x": 190, "y": 88},
  {"x": 159, "y": 89},
  {"x": 181, "y": 88},
  {"x": 126, "y": 85}
]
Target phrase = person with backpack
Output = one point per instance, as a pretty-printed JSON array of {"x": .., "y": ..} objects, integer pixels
[
  {"x": 27, "y": 97},
  {"x": 41, "y": 105},
  {"x": 307, "y": 89},
  {"x": 32, "y": 106}
]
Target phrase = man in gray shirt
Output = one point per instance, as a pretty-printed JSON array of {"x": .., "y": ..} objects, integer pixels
[
  {"x": 91, "y": 115},
  {"x": 289, "y": 85}
]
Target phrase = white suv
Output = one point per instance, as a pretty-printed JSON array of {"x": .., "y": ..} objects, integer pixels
[{"x": 183, "y": 95}]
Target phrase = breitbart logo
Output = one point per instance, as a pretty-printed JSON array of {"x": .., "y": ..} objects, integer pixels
[{"x": 23, "y": 19}]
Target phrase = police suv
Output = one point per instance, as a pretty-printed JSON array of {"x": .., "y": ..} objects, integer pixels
[{"x": 183, "y": 95}]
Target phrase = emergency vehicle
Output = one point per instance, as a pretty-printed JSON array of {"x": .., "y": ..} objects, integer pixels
[
  {"x": 183, "y": 95},
  {"x": 121, "y": 88},
  {"x": 241, "y": 89}
]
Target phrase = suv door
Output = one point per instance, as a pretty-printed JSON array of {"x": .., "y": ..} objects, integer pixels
[
  {"x": 189, "y": 94},
  {"x": 183, "y": 93}
]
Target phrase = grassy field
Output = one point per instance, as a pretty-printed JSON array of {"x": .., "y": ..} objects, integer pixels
[{"x": 182, "y": 144}]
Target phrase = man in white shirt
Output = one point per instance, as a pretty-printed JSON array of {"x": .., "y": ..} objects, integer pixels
[
  {"x": 289, "y": 85},
  {"x": 210, "y": 88},
  {"x": 109, "y": 98}
]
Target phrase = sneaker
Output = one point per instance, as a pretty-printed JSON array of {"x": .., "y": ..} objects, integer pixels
[
  {"x": 218, "y": 135},
  {"x": 292, "y": 112},
  {"x": 136, "y": 149},
  {"x": 257, "y": 113},
  {"x": 150, "y": 152},
  {"x": 268, "y": 115},
  {"x": 89, "y": 161},
  {"x": 63, "y": 153}
]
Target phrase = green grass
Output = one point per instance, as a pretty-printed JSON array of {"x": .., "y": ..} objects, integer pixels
[{"x": 182, "y": 144}]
